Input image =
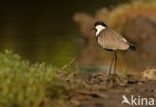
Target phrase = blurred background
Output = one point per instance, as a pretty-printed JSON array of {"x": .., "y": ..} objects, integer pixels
[
  {"x": 56, "y": 31},
  {"x": 44, "y": 30}
]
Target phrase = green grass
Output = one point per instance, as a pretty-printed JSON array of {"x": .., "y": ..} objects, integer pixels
[{"x": 29, "y": 85}]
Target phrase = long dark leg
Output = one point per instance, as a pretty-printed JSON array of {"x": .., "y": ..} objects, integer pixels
[
  {"x": 115, "y": 62},
  {"x": 111, "y": 65},
  {"x": 114, "y": 78}
]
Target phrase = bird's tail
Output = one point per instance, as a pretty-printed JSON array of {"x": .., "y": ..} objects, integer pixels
[{"x": 132, "y": 47}]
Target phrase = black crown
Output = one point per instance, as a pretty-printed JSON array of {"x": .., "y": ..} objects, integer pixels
[{"x": 100, "y": 23}]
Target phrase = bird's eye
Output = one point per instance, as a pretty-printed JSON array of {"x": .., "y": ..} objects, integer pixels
[{"x": 95, "y": 29}]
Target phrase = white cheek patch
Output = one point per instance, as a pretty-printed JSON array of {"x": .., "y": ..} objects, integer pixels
[{"x": 99, "y": 29}]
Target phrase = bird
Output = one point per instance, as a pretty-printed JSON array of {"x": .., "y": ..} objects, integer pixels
[{"x": 111, "y": 40}]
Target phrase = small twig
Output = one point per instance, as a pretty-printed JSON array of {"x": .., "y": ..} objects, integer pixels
[{"x": 69, "y": 64}]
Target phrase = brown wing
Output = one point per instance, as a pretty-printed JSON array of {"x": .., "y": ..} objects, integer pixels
[{"x": 109, "y": 39}]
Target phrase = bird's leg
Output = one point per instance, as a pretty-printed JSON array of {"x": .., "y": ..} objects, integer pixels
[
  {"x": 111, "y": 65},
  {"x": 114, "y": 79},
  {"x": 115, "y": 62},
  {"x": 115, "y": 74}
]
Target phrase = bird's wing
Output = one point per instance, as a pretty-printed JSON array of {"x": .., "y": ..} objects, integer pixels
[{"x": 110, "y": 39}]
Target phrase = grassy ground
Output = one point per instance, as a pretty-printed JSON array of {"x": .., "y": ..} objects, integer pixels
[
  {"x": 39, "y": 85},
  {"x": 29, "y": 85}
]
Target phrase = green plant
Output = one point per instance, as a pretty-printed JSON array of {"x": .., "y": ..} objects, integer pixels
[{"x": 29, "y": 85}]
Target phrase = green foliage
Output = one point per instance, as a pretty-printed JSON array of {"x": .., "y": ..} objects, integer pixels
[{"x": 25, "y": 85}]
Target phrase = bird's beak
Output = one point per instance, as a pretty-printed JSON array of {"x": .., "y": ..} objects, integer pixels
[{"x": 92, "y": 29}]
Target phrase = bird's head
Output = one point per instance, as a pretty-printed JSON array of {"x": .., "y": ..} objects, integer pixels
[{"x": 98, "y": 27}]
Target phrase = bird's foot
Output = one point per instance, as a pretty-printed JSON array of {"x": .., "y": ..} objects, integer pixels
[
  {"x": 112, "y": 77},
  {"x": 113, "y": 80}
]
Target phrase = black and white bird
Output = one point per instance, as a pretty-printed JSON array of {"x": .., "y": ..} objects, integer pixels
[{"x": 110, "y": 40}]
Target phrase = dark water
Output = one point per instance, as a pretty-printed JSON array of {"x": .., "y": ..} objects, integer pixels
[{"x": 43, "y": 30}]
